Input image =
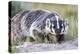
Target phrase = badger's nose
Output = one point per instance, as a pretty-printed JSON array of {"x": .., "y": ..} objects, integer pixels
[{"x": 57, "y": 31}]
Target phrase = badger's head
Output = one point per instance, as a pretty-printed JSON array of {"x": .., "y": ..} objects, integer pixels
[{"x": 55, "y": 25}]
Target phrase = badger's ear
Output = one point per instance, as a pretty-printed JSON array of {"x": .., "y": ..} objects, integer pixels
[
  {"x": 48, "y": 22},
  {"x": 66, "y": 23}
]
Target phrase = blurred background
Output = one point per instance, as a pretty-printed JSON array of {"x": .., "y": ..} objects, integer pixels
[{"x": 69, "y": 12}]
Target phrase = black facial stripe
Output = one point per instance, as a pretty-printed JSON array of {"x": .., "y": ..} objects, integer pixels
[{"x": 51, "y": 28}]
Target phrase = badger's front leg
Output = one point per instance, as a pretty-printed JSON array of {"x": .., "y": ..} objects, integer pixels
[
  {"x": 46, "y": 38},
  {"x": 39, "y": 37},
  {"x": 60, "y": 38},
  {"x": 50, "y": 38}
]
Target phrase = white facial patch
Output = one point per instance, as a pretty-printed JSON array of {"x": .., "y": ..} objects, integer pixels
[
  {"x": 53, "y": 31},
  {"x": 62, "y": 31},
  {"x": 48, "y": 25},
  {"x": 57, "y": 18}
]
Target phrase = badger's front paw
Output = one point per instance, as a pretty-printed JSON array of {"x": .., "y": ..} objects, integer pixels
[{"x": 60, "y": 38}]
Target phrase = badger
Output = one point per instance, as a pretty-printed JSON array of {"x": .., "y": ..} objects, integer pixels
[{"x": 39, "y": 23}]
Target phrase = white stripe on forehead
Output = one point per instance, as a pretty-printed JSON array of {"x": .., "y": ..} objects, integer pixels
[{"x": 57, "y": 18}]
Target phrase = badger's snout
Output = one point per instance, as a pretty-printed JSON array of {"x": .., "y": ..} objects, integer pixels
[{"x": 57, "y": 31}]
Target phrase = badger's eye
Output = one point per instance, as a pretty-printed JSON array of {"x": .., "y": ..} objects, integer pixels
[
  {"x": 61, "y": 26},
  {"x": 53, "y": 26}
]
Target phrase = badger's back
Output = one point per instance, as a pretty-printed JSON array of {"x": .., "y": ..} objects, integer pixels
[{"x": 22, "y": 22}]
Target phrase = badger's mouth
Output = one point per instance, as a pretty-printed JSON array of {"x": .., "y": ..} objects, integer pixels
[{"x": 53, "y": 33}]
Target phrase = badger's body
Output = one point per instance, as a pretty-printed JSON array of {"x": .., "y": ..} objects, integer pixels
[{"x": 35, "y": 22}]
